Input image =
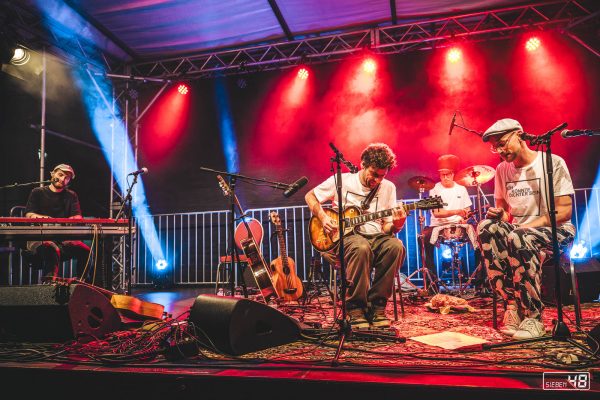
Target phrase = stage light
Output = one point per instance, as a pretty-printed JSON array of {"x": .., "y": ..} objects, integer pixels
[
  {"x": 532, "y": 44},
  {"x": 446, "y": 253},
  {"x": 369, "y": 65},
  {"x": 578, "y": 250},
  {"x": 161, "y": 265},
  {"x": 20, "y": 57},
  {"x": 303, "y": 73},
  {"x": 454, "y": 54},
  {"x": 182, "y": 89}
]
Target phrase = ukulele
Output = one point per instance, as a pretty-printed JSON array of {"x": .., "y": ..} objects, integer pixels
[
  {"x": 353, "y": 217},
  {"x": 256, "y": 262},
  {"x": 285, "y": 280}
]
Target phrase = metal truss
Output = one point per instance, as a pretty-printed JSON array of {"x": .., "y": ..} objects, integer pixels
[{"x": 401, "y": 38}]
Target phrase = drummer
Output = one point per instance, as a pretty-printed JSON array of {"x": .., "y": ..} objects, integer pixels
[{"x": 456, "y": 210}]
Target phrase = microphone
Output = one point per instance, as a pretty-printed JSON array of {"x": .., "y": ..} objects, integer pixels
[
  {"x": 569, "y": 133},
  {"x": 294, "y": 187},
  {"x": 452, "y": 124},
  {"x": 142, "y": 171},
  {"x": 538, "y": 139}
]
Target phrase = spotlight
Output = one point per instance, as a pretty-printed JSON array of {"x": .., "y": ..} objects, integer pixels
[
  {"x": 446, "y": 253},
  {"x": 161, "y": 265},
  {"x": 454, "y": 54},
  {"x": 533, "y": 44},
  {"x": 303, "y": 73},
  {"x": 369, "y": 65},
  {"x": 182, "y": 89},
  {"x": 20, "y": 57},
  {"x": 578, "y": 250}
]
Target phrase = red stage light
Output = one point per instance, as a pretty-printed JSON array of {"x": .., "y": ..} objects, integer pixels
[
  {"x": 303, "y": 73},
  {"x": 533, "y": 44},
  {"x": 369, "y": 65},
  {"x": 182, "y": 89},
  {"x": 454, "y": 54}
]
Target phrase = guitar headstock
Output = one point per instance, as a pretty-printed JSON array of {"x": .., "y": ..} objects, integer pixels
[
  {"x": 275, "y": 218},
  {"x": 224, "y": 186},
  {"x": 430, "y": 203}
]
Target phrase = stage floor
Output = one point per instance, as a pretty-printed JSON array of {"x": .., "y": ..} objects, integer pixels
[{"x": 397, "y": 365}]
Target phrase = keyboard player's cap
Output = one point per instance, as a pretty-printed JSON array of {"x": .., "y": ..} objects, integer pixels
[{"x": 65, "y": 168}]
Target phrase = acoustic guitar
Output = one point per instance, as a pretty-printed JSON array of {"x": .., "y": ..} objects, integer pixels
[
  {"x": 283, "y": 267},
  {"x": 256, "y": 262},
  {"x": 352, "y": 217}
]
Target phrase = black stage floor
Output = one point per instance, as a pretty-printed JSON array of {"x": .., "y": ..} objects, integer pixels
[{"x": 135, "y": 364}]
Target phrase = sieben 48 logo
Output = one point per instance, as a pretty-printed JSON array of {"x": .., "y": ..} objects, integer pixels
[{"x": 566, "y": 381}]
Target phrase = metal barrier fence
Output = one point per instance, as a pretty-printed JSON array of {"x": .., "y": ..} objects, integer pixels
[{"x": 194, "y": 242}]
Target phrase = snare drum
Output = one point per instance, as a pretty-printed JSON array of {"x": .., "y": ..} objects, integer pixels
[{"x": 454, "y": 233}]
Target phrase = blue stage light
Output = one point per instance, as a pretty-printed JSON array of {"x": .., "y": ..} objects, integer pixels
[
  {"x": 579, "y": 250},
  {"x": 161, "y": 265},
  {"x": 96, "y": 91},
  {"x": 228, "y": 139}
]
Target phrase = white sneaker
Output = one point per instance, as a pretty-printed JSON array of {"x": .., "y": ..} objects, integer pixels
[
  {"x": 511, "y": 321},
  {"x": 530, "y": 328}
]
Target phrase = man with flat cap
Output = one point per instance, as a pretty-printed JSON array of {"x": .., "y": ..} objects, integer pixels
[
  {"x": 517, "y": 231},
  {"x": 56, "y": 201},
  {"x": 457, "y": 205}
]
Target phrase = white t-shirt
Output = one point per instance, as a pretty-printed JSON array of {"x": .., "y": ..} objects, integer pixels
[
  {"x": 524, "y": 189},
  {"x": 456, "y": 197},
  {"x": 353, "y": 193}
]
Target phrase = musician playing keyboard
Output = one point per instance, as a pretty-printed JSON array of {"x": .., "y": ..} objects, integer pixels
[
  {"x": 56, "y": 201},
  {"x": 373, "y": 245}
]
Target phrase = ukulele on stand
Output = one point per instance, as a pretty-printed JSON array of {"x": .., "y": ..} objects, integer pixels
[{"x": 285, "y": 280}]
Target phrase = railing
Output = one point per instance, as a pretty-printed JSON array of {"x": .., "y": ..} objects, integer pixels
[{"x": 194, "y": 242}]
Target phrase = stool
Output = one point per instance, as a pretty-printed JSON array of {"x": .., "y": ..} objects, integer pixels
[{"x": 227, "y": 262}]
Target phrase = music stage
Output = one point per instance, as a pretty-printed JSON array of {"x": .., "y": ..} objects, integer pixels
[{"x": 303, "y": 369}]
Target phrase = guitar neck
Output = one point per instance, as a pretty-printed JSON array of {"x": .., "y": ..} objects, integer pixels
[
  {"x": 282, "y": 247},
  {"x": 361, "y": 219}
]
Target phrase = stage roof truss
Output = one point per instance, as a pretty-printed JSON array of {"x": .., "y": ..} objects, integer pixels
[{"x": 408, "y": 36}]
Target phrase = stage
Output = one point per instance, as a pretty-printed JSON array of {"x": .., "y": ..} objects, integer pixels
[{"x": 396, "y": 366}]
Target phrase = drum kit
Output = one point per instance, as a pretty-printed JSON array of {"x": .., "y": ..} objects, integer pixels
[{"x": 454, "y": 236}]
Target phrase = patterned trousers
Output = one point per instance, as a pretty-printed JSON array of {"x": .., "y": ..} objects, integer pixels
[{"x": 513, "y": 257}]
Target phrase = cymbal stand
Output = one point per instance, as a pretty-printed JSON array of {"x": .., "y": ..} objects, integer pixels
[
  {"x": 479, "y": 196},
  {"x": 423, "y": 268}
]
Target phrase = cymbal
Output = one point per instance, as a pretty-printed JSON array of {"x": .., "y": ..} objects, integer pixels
[
  {"x": 418, "y": 182},
  {"x": 470, "y": 176}
]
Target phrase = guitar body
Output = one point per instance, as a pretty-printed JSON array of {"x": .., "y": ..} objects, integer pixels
[
  {"x": 259, "y": 268},
  {"x": 288, "y": 285},
  {"x": 354, "y": 217},
  {"x": 320, "y": 240}
]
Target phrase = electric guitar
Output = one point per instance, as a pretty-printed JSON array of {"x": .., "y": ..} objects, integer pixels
[
  {"x": 352, "y": 217},
  {"x": 285, "y": 280},
  {"x": 256, "y": 262}
]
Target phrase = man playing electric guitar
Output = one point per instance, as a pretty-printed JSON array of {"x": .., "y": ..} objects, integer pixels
[{"x": 373, "y": 244}]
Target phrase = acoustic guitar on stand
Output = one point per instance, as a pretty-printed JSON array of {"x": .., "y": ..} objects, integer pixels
[
  {"x": 256, "y": 262},
  {"x": 353, "y": 217},
  {"x": 285, "y": 280}
]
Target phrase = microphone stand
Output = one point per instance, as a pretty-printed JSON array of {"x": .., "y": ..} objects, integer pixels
[
  {"x": 126, "y": 204},
  {"x": 345, "y": 327},
  {"x": 560, "y": 331},
  {"x": 17, "y": 185},
  {"x": 233, "y": 251}
]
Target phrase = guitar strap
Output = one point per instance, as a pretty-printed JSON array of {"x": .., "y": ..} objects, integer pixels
[{"x": 366, "y": 203}]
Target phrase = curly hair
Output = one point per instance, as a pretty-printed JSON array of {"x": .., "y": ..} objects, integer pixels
[{"x": 378, "y": 155}]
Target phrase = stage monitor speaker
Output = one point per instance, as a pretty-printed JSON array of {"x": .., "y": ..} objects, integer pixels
[
  {"x": 55, "y": 313},
  {"x": 239, "y": 326},
  {"x": 588, "y": 280}
]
